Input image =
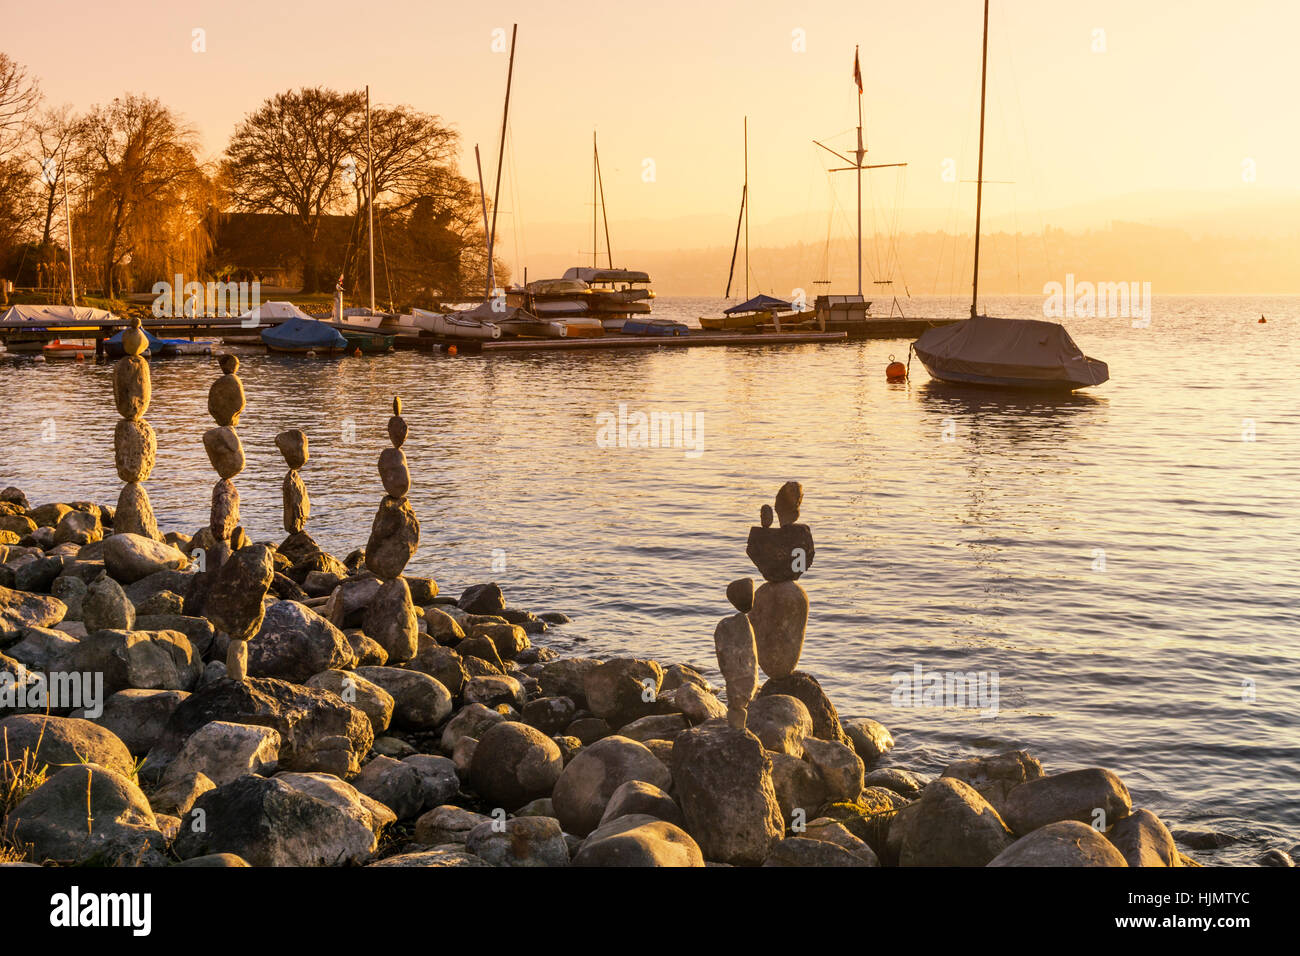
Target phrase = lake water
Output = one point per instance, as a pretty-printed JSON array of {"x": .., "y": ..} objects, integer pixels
[{"x": 1124, "y": 561}]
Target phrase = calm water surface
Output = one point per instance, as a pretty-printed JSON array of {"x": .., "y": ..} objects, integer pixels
[{"x": 1123, "y": 560}]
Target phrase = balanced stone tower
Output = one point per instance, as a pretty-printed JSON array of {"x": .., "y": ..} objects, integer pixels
[
  {"x": 225, "y": 403},
  {"x": 733, "y": 641},
  {"x": 135, "y": 446},
  {"x": 779, "y": 615},
  {"x": 394, "y": 536},
  {"x": 297, "y": 506}
]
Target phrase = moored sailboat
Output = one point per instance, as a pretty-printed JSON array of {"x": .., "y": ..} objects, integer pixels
[{"x": 1004, "y": 353}]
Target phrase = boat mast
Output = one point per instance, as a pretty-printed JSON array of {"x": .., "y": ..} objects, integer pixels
[
  {"x": 67, "y": 215},
  {"x": 370, "y": 203},
  {"x": 745, "y": 208},
  {"x": 595, "y": 173},
  {"x": 501, "y": 153},
  {"x": 979, "y": 181},
  {"x": 478, "y": 161},
  {"x": 604, "y": 210},
  {"x": 859, "y": 155}
]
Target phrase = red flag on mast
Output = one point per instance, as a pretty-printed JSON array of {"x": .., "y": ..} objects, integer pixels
[{"x": 857, "y": 70}]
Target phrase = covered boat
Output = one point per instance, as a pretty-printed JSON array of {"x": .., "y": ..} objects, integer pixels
[
  {"x": 1008, "y": 353},
  {"x": 654, "y": 327},
  {"x": 515, "y": 321},
  {"x": 455, "y": 325},
  {"x": 39, "y": 319},
  {"x": 301, "y": 334}
]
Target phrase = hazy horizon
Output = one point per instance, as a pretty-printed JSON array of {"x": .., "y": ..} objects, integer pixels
[{"x": 1168, "y": 123}]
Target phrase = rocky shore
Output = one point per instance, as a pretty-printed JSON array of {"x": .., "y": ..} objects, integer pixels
[{"x": 207, "y": 700}]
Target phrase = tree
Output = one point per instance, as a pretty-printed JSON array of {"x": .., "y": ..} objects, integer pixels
[
  {"x": 138, "y": 171},
  {"x": 287, "y": 158},
  {"x": 53, "y": 134},
  {"x": 19, "y": 96}
]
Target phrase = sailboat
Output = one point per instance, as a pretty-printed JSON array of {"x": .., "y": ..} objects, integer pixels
[
  {"x": 761, "y": 309},
  {"x": 1004, "y": 353}
]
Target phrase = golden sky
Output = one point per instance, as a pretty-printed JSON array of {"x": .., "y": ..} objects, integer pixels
[{"x": 1113, "y": 109}]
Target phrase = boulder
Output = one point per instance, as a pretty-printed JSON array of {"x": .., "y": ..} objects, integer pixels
[
  {"x": 19, "y": 610},
  {"x": 828, "y": 830},
  {"x": 1143, "y": 840},
  {"x": 1093, "y": 796},
  {"x": 623, "y": 689},
  {"x": 1065, "y": 843},
  {"x": 437, "y": 857},
  {"x": 63, "y": 741},
  {"x": 588, "y": 782},
  {"x": 801, "y": 851},
  {"x": 106, "y": 606},
  {"x": 390, "y": 620},
  {"x": 419, "y": 701},
  {"x": 223, "y": 752},
  {"x": 639, "y": 840},
  {"x": 639, "y": 797},
  {"x": 145, "y": 660},
  {"x": 372, "y": 814},
  {"x": 951, "y": 825},
  {"x": 723, "y": 780},
  {"x": 370, "y": 698},
  {"x": 88, "y": 814},
  {"x": 294, "y": 643},
  {"x": 567, "y": 677},
  {"x": 137, "y": 717},
  {"x": 510, "y": 640},
  {"x": 654, "y": 727},
  {"x": 198, "y": 630},
  {"x": 394, "y": 536},
  {"x": 318, "y": 731},
  {"x": 395, "y": 784},
  {"x": 840, "y": 769},
  {"x": 697, "y": 704},
  {"x": 482, "y": 599},
  {"x": 79, "y": 527},
  {"x": 996, "y": 775},
  {"x": 799, "y": 788},
  {"x": 234, "y": 601},
  {"x": 472, "y": 720},
  {"x": 130, "y": 557},
  {"x": 269, "y": 823},
  {"x": 513, "y": 764},
  {"x": 550, "y": 715},
  {"x": 135, "y": 449},
  {"x": 901, "y": 782},
  {"x": 71, "y": 590},
  {"x": 493, "y": 690},
  {"x": 441, "y": 626},
  {"x": 825, "y": 719},
  {"x": 439, "y": 782},
  {"x": 44, "y": 650},
  {"x": 870, "y": 738},
  {"x": 447, "y": 824},
  {"x": 781, "y": 722},
  {"x": 522, "y": 841},
  {"x": 178, "y": 796}
]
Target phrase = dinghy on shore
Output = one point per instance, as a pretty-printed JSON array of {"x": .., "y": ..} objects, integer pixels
[{"x": 455, "y": 325}]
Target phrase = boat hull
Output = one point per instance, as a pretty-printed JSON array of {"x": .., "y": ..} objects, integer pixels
[{"x": 1017, "y": 383}]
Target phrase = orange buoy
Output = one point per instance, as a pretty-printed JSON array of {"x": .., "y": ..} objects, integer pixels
[
  {"x": 452, "y": 350},
  {"x": 1261, "y": 321},
  {"x": 895, "y": 371}
]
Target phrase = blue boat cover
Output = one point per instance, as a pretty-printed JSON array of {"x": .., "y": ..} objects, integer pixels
[
  {"x": 302, "y": 334},
  {"x": 760, "y": 303}
]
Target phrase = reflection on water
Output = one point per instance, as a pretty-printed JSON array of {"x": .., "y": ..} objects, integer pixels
[{"x": 1121, "y": 558}]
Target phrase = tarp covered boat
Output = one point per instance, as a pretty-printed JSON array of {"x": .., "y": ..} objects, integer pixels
[
  {"x": 653, "y": 327},
  {"x": 1008, "y": 353},
  {"x": 41, "y": 318},
  {"x": 158, "y": 348},
  {"x": 300, "y": 335},
  {"x": 455, "y": 325}
]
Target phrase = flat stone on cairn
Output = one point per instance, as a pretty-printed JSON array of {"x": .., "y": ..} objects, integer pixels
[
  {"x": 134, "y": 443},
  {"x": 226, "y": 396},
  {"x": 395, "y": 534}
]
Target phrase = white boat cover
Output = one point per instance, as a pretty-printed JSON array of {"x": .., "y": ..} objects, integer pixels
[
  {"x": 276, "y": 312},
  {"x": 1020, "y": 349},
  {"x": 44, "y": 315},
  {"x": 589, "y": 274}
]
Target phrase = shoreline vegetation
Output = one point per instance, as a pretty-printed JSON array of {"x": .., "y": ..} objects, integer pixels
[{"x": 207, "y": 700}]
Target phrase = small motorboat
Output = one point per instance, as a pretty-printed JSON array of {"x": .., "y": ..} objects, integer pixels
[
  {"x": 1029, "y": 354},
  {"x": 654, "y": 327},
  {"x": 158, "y": 348},
  {"x": 455, "y": 325},
  {"x": 370, "y": 343},
  {"x": 577, "y": 327},
  {"x": 298, "y": 336}
]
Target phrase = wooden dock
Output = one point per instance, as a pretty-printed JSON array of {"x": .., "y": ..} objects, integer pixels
[{"x": 615, "y": 340}]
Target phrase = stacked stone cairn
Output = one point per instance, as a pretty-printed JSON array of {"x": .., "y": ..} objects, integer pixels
[
  {"x": 135, "y": 447},
  {"x": 297, "y": 506},
  {"x": 394, "y": 538}
]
